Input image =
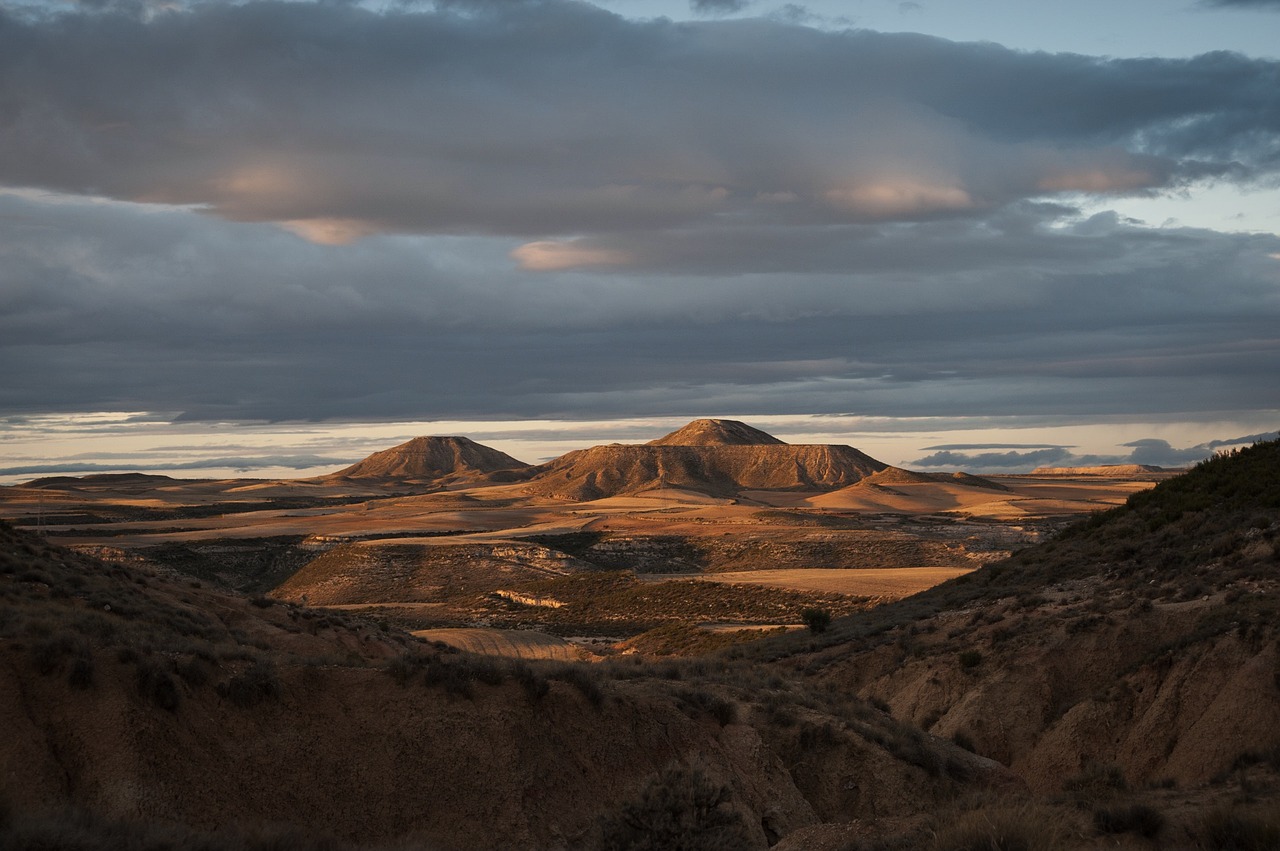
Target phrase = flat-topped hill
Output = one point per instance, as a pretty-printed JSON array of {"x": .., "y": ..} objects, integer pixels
[
  {"x": 717, "y": 433},
  {"x": 1115, "y": 470},
  {"x": 431, "y": 459}
]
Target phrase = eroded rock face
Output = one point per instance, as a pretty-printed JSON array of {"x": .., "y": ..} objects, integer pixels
[{"x": 1112, "y": 696}]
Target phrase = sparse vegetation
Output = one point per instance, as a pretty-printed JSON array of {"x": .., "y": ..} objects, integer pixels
[
  {"x": 1232, "y": 828},
  {"x": 1002, "y": 828},
  {"x": 1144, "y": 820},
  {"x": 679, "y": 809},
  {"x": 817, "y": 620}
]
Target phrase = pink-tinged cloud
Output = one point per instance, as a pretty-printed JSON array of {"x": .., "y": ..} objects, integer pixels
[
  {"x": 330, "y": 231},
  {"x": 897, "y": 197},
  {"x": 551, "y": 256}
]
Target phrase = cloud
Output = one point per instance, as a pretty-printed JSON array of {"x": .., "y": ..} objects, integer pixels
[
  {"x": 1160, "y": 453},
  {"x": 553, "y": 256},
  {"x": 717, "y": 7},
  {"x": 1241, "y": 441},
  {"x": 505, "y": 118},
  {"x": 1152, "y": 451},
  {"x": 971, "y": 446},
  {"x": 1267, "y": 5},
  {"x": 241, "y": 463},
  {"x": 994, "y": 460},
  {"x": 308, "y": 211}
]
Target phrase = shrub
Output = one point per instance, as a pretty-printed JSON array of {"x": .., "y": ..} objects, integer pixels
[
  {"x": 81, "y": 673},
  {"x": 255, "y": 684},
  {"x": 1229, "y": 829},
  {"x": 970, "y": 659},
  {"x": 816, "y": 619},
  {"x": 724, "y": 711},
  {"x": 1097, "y": 782},
  {"x": 1000, "y": 829},
  {"x": 534, "y": 684},
  {"x": 155, "y": 683},
  {"x": 1141, "y": 819},
  {"x": 585, "y": 680},
  {"x": 679, "y": 809},
  {"x": 455, "y": 679}
]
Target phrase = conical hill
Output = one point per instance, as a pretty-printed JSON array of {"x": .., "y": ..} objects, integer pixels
[
  {"x": 432, "y": 459},
  {"x": 718, "y": 457}
]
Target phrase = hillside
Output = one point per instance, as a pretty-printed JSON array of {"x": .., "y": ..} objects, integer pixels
[
  {"x": 717, "y": 457},
  {"x": 1146, "y": 638},
  {"x": 141, "y": 698},
  {"x": 431, "y": 460}
]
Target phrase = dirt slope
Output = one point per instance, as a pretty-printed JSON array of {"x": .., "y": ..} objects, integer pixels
[
  {"x": 1144, "y": 638},
  {"x": 135, "y": 695}
]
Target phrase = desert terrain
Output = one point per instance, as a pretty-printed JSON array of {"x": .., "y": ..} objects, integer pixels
[
  {"x": 442, "y": 650},
  {"x": 715, "y": 522}
]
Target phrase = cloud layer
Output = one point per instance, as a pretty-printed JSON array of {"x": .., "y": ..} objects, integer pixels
[{"x": 291, "y": 210}]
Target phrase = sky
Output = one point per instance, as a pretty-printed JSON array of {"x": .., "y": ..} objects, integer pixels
[{"x": 266, "y": 238}]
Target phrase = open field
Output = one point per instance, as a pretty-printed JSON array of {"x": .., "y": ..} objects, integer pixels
[
  {"x": 507, "y": 643},
  {"x": 883, "y": 583}
]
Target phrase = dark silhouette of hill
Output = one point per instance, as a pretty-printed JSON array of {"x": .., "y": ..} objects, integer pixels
[
  {"x": 717, "y": 457},
  {"x": 102, "y": 481},
  {"x": 1144, "y": 638},
  {"x": 431, "y": 459}
]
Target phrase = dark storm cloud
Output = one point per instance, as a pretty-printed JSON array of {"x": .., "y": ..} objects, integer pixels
[
  {"x": 1270, "y": 5},
  {"x": 123, "y": 307},
  {"x": 565, "y": 213},
  {"x": 1151, "y": 451},
  {"x": 1240, "y": 441},
  {"x": 558, "y": 118}
]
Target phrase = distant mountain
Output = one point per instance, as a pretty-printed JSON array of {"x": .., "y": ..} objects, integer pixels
[
  {"x": 431, "y": 459},
  {"x": 717, "y": 433},
  {"x": 718, "y": 457},
  {"x": 100, "y": 481},
  {"x": 1117, "y": 470}
]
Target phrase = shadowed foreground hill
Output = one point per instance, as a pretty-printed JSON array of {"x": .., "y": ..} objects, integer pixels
[
  {"x": 717, "y": 457},
  {"x": 134, "y": 695},
  {"x": 1145, "y": 638}
]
